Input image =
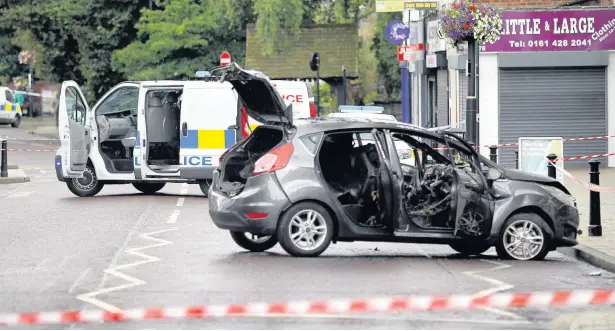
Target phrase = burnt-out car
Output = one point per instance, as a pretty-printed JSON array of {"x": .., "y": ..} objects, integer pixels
[{"x": 308, "y": 183}]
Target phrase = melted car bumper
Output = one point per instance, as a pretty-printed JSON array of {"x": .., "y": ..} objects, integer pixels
[{"x": 256, "y": 209}]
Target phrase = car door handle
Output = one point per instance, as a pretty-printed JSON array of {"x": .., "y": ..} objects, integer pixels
[
  {"x": 87, "y": 133},
  {"x": 185, "y": 129}
]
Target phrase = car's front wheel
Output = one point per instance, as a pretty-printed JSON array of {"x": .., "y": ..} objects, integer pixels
[
  {"x": 524, "y": 237},
  {"x": 469, "y": 247},
  {"x": 149, "y": 188},
  {"x": 16, "y": 121},
  {"x": 87, "y": 186},
  {"x": 252, "y": 242},
  {"x": 305, "y": 230}
]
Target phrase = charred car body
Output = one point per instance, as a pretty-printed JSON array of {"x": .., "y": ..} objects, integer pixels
[{"x": 308, "y": 183}]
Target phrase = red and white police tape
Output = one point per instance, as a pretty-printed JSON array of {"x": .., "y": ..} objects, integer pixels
[
  {"x": 584, "y": 157},
  {"x": 577, "y": 298},
  {"x": 589, "y": 186}
]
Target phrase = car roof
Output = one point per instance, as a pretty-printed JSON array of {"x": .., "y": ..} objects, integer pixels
[{"x": 325, "y": 124}]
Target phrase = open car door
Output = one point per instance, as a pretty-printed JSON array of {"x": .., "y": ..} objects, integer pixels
[
  {"x": 389, "y": 184},
  {"x": 472, "y": 203},
  {"x": 74, "y": 130}
]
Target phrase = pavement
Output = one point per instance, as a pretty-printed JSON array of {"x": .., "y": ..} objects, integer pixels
[{"x": 122, "y": 249}]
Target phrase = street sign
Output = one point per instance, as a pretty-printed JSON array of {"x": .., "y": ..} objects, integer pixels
[
  {"x": 397, "y": 32},
  {"x": 408, "y": 53},
  {"x": 389, "y": 6},
  {"x": 225, "y": 58},
  {"x": 533, "y": 153},
  {"x": 413, "y": 4}
]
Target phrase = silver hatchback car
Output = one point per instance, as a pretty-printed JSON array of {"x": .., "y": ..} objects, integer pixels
[{"x": 308, "y": 183}]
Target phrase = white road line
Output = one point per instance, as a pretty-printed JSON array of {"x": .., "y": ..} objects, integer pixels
[
  {"x": 180, "y": 202},
  {"x": 43, "y": 171},
  {"x": 132, "y": 281},
  {"x": 498, "y": 286},
  {"x": 79, "y": 279},
  {"x": 173, "y": 217}
]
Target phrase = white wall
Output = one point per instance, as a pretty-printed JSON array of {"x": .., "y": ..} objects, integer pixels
[
  {"x": 453, "y": 97},
  {"x": 489, "y": 101},
  {"x": 610, "y": 99}
]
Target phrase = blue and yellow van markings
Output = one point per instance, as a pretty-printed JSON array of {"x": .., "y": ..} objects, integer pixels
[
  {"x": 11, "y": 108},
  {"x": 209, "y": 139}
]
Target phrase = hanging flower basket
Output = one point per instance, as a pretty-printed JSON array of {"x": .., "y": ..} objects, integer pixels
[{"x": 466, "y": 20}]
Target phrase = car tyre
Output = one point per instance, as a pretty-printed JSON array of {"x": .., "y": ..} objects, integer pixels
[
  {"x": 16, "y": 121},
  {"x": 470, "y": 247},
  {"x": 260, "y": 244},
  {"x": 88, "y": 186},
  {"x": 294, "y": 224},
  {"x": 527, "y": 230},
  {"x": 205, "y": 185},
  {"x": 149, "y": 188}
]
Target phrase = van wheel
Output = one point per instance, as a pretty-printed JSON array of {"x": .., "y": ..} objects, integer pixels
[
  {"x": 469, "y": 247},
  {"x": 149, "y": 188},
  {"x": 205, "y": 185},
  {"x": 524, "y": 237},
  {"x": 252, "y": 242},
  {"x": 305, "y": 230},
  {"x": 88, "y": 186},
  {"x": 16, "y": 121}
]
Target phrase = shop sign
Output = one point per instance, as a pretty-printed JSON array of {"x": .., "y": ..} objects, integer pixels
[
  {"x": 397, "y": 32},
  {"x": 420, "y": 4},
  {"x": 533, "y": 153},
  {"x": 416, "y": 33},
  {"x": 553, "y": 31},
  {"x": 388, "y": 6},
  {"x": 434, "y": 42}
]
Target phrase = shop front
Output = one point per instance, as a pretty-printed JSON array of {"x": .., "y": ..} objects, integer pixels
[
  {"x": 547, "y": 76},
  {"x": 437, "y": 77}
]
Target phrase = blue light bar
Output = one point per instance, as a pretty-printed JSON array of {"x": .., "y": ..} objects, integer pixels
[
  {"x": 202, "y": 74},
  {"x": 354, "y": 109}
]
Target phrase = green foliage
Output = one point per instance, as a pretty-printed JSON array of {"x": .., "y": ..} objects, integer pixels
[
  {"x": 183, "y": 37},
  {"x": 328, "y": 98},
  {"x": 386, "y": 54}
]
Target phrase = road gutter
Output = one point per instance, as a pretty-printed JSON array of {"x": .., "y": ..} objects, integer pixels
[{"x": 591, "y": 256}]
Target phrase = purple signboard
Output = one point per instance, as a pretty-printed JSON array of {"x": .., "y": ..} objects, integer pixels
[{"x": 549, "y": 31}]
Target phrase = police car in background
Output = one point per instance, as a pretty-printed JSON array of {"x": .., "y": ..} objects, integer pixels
[
  {"x": 149, "y": 133},
  {"x": 10, "y": 111}
]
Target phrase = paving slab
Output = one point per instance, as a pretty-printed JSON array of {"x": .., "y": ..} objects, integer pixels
[{"x": 588, "y": 320}]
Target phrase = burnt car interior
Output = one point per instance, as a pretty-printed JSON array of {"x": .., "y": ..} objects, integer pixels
[{"x": 430, "y": 189}]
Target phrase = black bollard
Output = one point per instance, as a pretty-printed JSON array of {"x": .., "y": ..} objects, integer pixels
[
  {"x": 595, "y": 226},
  {"x": 516, "y": 159},
  {"x": 4, "y": 172},
  {"x": 493, "y": 153},
  {"x": 551, "y": 165}
]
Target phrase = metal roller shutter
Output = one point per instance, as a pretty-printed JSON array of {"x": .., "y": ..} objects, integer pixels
[
  {"x": 566, "y": 103},
  {"x": 442, "y": 111},
  {"x": 463, "y": 94}
]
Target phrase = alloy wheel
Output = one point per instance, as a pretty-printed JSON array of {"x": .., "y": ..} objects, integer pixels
[
  {"x": 307, "y": 229},
  {"x": 523, "y": 240}
]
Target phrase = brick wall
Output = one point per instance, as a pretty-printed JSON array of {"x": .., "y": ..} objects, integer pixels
[{"x": 543, "y": 3}]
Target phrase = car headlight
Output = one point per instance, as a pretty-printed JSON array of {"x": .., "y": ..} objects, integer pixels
[{"x": 560, "y": 195}]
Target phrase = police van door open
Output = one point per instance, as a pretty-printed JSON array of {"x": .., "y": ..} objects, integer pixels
[{"x": 73, "y": 129}]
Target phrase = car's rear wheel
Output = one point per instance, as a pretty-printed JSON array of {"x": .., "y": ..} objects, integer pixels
[
  {"x": 305, "y": 230},
  {"x": 469, "y": 247},
  {"x": 149, "y": 188},
  {"x": 88, "y": 186},
  {"x": 253, "y": 242},
  {"x": 524, "y": 237}
]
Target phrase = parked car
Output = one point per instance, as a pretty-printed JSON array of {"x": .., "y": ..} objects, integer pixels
[{"x": 308, "y": 183}]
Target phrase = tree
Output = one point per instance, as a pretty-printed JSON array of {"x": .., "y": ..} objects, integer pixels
[
  {"x": 386, "y": 54},
  {"x": 183, "y": 37}
]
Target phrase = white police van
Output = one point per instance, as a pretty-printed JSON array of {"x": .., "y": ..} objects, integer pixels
[
  {"x": 10, "y": 111},
  {"x": 150, "y": 133}
]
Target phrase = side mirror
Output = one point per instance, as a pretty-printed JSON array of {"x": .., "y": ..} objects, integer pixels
[
  {"x": 492, "y": 175},
  {"x": 315, "y": 61}
]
